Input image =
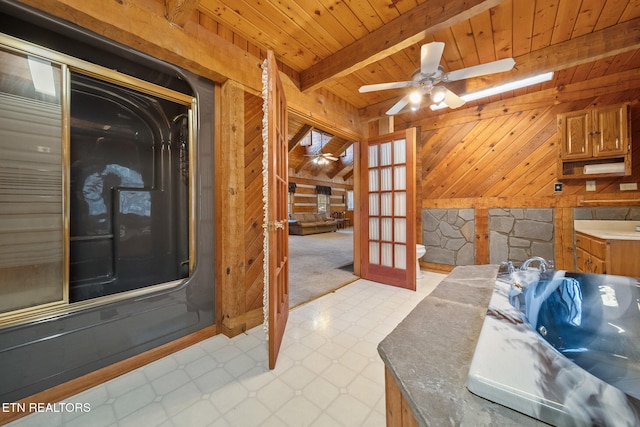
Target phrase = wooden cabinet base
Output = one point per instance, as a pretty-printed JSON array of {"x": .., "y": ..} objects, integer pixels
[
  {"x": 399, "y": 413},
  {"x": 607, "y": 256}
]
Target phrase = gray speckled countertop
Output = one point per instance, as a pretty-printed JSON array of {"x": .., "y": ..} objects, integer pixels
[{"x": 430, "y": 351}]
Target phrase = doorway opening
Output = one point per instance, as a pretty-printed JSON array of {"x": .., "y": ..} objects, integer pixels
[{"x": 321, "y": 219}]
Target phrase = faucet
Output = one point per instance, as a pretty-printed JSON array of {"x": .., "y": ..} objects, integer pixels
[
  {"x": 505, "y": 273},
  {"x": 507, "y": 267},
  {"x": 544, "y": 265}
]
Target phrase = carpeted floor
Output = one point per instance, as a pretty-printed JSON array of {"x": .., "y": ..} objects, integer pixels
[{"x": 319, "y": 264}]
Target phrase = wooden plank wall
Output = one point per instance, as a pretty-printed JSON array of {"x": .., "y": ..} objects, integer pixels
[
  {"x": 504, "y": 154},
  {"x": 254, "y": 213},
  {"x": 305, "y": 199},
  {"x": 239, "y": 211}
]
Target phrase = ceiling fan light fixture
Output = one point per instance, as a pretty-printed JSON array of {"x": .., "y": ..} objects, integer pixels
[
  {"x": 415, "y": 97},
  {"x": 438, "y": 94}
]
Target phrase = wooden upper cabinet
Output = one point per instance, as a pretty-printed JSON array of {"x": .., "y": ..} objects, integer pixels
[
  {"x": 611, "y": 137},
  {"x": 574, "y": 129},
  {"x": 594, "y": 137}
]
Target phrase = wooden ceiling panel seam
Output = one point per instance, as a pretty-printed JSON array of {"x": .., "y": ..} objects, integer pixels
[
  {"x": 564, "y": 27},
  {"x": 587, "y": 17},
  {"x": 345, "y": 16},
  {"x": 366, "y": 14},
  {"x": 611, "y": 14},
  {"x": 501, "y": 19},
  {"x": 319, "y": 23},
  {"x": 543, "y": 24},
  {"x": 522, "y": 27},
  {"x": 632, "y": 10},
  {"x": 241, "y": 17},
  {"x": 482, "y": 30},
  {"x": 385, "y": 10}
]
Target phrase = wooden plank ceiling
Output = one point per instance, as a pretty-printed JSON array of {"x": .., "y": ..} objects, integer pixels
[{"x": 340, "y": 45}]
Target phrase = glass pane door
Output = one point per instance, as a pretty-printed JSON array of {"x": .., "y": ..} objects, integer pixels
[{"x": 390, "y": 223}]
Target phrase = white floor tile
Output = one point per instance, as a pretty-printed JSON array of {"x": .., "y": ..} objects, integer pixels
[{"x": 328, "y": 372}]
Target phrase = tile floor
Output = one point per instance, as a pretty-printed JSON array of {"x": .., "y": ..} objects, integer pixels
[{"x": 328, "y": 373}]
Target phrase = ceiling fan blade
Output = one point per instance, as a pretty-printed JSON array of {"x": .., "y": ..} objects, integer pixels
[
  {"x": 385, "y": 86},
  {"x": 452, "y": 100},
  {"x": 330, "y": 157},
  {"x": 430, "y": 55},
  {"x": 480, "y": 70},
  {"x": 398, "y": 106}
]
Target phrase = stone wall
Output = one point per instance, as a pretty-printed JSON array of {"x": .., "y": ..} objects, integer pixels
[
  {"x": 518, "y": 234},
  {"x": 621, "y": 213},
  {"x": 449, "y": 236}
]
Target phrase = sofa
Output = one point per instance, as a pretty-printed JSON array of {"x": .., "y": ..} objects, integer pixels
[{"x": 302, "y": 224}]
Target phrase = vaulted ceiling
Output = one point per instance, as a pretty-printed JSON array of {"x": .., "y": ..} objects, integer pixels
[{"x": 340, "y": 45}]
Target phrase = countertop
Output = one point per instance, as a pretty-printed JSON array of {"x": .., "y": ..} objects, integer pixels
[
  {"x": 608, "y": 229},
  {"x": 430, "y": 351}
]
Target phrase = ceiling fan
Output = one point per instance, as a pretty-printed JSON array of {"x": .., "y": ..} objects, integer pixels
[
  {"x": 321, "y": 158},
  {"x": 426, "y": 79}
]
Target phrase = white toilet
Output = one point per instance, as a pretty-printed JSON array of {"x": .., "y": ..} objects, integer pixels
[{"x": 420, "y": 251}]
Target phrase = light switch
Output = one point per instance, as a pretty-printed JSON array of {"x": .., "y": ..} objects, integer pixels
[
  {"x": 628, "y": 186},
  {"x": 591, "y": 186}
]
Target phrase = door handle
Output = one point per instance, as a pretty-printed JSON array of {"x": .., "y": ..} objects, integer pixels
[{"x": 274, "y": 225}]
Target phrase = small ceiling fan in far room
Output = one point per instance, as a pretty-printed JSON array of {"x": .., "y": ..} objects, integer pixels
[
  {"x": 425, "y": 80},
  {"x": 321, "y": 158}
]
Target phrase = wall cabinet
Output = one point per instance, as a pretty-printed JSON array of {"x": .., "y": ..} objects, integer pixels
[
  {"x": 596, "y": 137},
  {"x": 607, "y": 256}
]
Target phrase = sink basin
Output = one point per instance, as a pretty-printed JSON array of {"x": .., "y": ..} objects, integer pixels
[{"x": 563, "y": 348}]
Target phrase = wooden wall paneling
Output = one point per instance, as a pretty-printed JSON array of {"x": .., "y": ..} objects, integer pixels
[
  {"x": 565, "y": 245},
  {"x": 436, "y": 150},
  {"x": 230, "y": 192},
  {"x": 507, "y": 154},
  {"x": 513, "y": 150},
  {"x": 461, "y": 157},
  {"x": 482, "y": 235},
  {"x": 528, "y": 176},
  {"x": 436, "y": 144},
  {"x": 254, "y": 212}
]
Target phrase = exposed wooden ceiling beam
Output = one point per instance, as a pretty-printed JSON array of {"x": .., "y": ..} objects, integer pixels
[
  {"x": 343, "y": 147},
  {"x": 180, "y": 11},
  {"x": 302, "y": 132},
  {"x": 338, "y": 167},
  {"x": 588, "y": 48},
  {"x": 407, "y": 29}
]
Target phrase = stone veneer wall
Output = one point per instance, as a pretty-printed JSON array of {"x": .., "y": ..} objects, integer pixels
[
  {"x": 449, "y": 236},
  {"x": 519, "y": 234},
  {"x": 608, "y": 213}
]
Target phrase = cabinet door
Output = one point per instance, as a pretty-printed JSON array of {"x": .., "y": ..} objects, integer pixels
[
  {"x": 610, "y": 135},
  {"x": 582, "y": 261},
  {"x": 574, "y": 135}
]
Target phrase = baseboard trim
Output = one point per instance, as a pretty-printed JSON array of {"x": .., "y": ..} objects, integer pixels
[
  {"x": 437, "y": 268},
  {"x": 92, "y": 379}
]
